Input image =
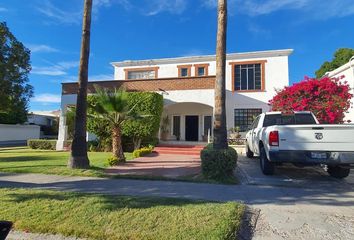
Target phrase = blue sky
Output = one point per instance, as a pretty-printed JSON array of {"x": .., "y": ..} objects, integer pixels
[{"x": 143, "y": 29}]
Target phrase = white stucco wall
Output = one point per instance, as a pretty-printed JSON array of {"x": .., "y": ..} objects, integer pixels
[
  {"x": 18, "y": 132},
  {"x": 187, "y": 109},
  {"x": 276, "y": 77},
  {"x": 197, "y": 102},
  {"x": 347, "y": 71}
]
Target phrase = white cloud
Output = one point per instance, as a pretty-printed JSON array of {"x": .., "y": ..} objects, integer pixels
[
  {"x": 67, "y": 64},
  {"x": 59, "y": 15},
  {"x": 101, "y": 77},
  {"x": 58, "y": 69},
  {"x": 315, "y": 9},
  {"x": 74, "y": 14},
  {"x": 155, "y": 7},
  {"x": 47, "y": 98},
  {"x": 194, "y": 52},
  {"x": 41, "y": 48},
  {"x": 49, "y": 71},
  {"x": 2, "y": 9},
  {"x": 254, "y": 7}
]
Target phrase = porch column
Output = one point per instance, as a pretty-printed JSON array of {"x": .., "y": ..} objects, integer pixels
[{"x": 63, "y": 129}]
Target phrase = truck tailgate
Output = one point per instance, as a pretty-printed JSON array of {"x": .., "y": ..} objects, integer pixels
[{"x": 317, "y": 137}]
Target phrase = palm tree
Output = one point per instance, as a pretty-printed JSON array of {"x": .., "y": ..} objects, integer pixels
[
  {"x": 113, "y": 107},
  {"x": 79, "y": 158},
  {"x": 220, "y": 133}
]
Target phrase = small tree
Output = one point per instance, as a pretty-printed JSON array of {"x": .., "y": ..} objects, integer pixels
[
  {"x": 15, "y": 66},
  {"x": 327, "y": 98},
  {"x": 341, "y": 57},
  {"x": 113, "y": 107},
  {"x": 147, "y": 127}
]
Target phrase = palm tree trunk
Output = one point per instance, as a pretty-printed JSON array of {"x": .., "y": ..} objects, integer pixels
[
  {"x": 220, "y": 133},
  {"x": 79, "y": 158},
  {"x": 117, "y": 144}
]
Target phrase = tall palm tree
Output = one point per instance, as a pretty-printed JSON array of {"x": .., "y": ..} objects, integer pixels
[
  {"x": 79, "y": 158},
  {"x": 113, "y": 107},
  {"x": 220, "y": 133}
]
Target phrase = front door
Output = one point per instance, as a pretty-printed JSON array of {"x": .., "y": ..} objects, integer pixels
[{"x": 192, "y": 126}]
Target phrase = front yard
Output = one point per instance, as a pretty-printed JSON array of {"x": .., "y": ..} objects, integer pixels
[
  {"x": 97, "y": 216},
  {"x": 25, "y": 160}
]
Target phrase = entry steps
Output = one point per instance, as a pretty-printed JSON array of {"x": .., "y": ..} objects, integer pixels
[{"x": 178, "y": 149}]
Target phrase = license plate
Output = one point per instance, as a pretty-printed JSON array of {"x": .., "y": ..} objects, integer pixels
[{"x": 318, "y": 155}]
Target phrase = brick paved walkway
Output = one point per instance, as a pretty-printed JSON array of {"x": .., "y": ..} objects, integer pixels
[{"x": 165, "y": 165}]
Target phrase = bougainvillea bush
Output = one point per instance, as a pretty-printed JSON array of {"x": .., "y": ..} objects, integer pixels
[{"x": 327, "y": 98}]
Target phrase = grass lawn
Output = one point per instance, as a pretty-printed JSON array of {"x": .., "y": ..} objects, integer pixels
[
  {"x": 119, "y": 217},
  {"x": 25, "y": 160}
]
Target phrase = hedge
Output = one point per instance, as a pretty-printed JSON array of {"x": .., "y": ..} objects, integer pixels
[
  {"x": 42, "y": 144},
  {"x": 218, "y": 164},
  {"x": 144, "y": 130},
  {"x": 142, "y": 152}
]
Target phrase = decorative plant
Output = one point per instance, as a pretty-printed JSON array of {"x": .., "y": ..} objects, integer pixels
[
  {"x": 235, "y": 132},
  {"x": 165, "y": 123},
  {"x": 114, "y": 108},
  {"x": 327, "y": 98}
]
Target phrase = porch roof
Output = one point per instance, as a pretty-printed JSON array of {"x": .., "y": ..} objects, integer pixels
[{"x": 158, "y": 84}]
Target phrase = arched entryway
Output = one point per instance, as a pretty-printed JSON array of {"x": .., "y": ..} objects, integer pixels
[{"x": 187, "y": 121}]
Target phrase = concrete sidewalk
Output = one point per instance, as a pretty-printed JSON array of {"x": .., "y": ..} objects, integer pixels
[{"x": 311, "y": 212}]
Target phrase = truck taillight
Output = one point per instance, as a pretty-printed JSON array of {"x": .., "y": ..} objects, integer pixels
[{"x": 274, "y": 138}]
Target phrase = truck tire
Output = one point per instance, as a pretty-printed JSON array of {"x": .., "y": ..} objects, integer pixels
[
  {"x": 338, "y": 171},
  {"x": 249, "y": 153},
  {"x": 267, "y": 167}
]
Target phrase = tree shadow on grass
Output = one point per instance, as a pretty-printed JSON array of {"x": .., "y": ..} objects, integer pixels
[
  {"x": 102, "y": 202},
  {"x": 25, "y": 158}
]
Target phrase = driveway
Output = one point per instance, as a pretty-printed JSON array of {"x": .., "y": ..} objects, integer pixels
[
  {"x": 249, "y": 172},
  {"x": 323, "y": 214}
]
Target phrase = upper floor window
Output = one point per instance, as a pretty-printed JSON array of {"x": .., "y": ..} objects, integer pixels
[
  {"x": 184, "y": 70},
  {"x": 141, "y": 73},
  {"x": 248, "y": 76},
  {"x": 201, "y": 69}
]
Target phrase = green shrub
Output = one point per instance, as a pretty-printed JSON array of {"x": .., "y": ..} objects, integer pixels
[
  {"x": 218, "y": 164},
  {"x": 150, "y": 105},
  {"x": 94, "y": 146},
  {"x": 42, "y": 144},
  {"x": 68, "y": 143},
  {"x": 144, "y": 129},
  {"x": 142, "y": 151},
  {"x": 113, "y": 161}
]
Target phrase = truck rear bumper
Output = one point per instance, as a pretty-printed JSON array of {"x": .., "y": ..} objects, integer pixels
[{"x": 312, "y": 157}]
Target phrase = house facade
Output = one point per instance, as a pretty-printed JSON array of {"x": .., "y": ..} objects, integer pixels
[
  {"x": 347, "y": 72},
  {"x": 187, "y": 86}
]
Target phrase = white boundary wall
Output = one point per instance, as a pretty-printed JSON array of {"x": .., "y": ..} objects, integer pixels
[
  {"x": 347, "y": 71},
  {"x": 18, "y": 132}
]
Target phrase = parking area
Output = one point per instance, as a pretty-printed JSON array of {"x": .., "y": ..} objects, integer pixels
[
  {"x": 312, "y": 205},
  {"x": 287, "y": 175}
]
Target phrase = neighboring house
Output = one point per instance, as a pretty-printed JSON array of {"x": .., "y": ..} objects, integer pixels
[
  {"x": 47, "y": 120},
  {"x": 43, "y": 118},
  {"x": 347, "y": 71},
  {"x": 187, "y": 86}
]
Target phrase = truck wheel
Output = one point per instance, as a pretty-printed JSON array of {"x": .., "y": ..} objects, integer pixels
[
  {"x": 267, "y": 167},
  {"x": 249, "y": 153},
  {"x": 338, "y": 171}
]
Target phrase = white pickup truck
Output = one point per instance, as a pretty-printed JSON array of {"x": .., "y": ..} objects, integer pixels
[{"x": 298, "y": 138}]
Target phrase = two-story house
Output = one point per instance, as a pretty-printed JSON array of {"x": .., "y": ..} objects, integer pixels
[{"x": 187, "y": 86}]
